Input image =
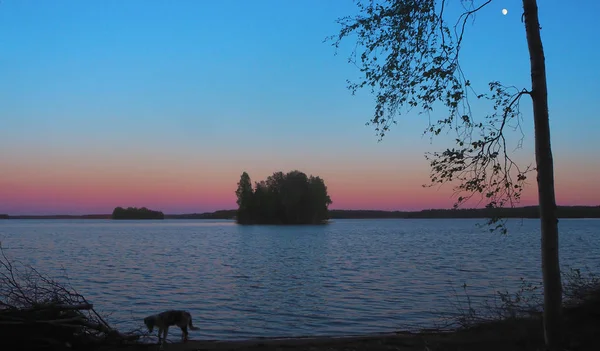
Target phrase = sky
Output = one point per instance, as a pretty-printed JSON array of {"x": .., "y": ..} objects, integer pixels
[{"x": 164, "y": 104}]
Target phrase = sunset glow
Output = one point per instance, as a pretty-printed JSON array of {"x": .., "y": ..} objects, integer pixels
[
  {"x": 167, "y": 108},
  {"x": 86, "y": 189}
]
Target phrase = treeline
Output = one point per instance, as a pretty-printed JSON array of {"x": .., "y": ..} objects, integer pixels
[
  {"x": 290, "y": 198},
  {"x": 136, "y": 213},
  {"x": 221, "y": 214},
  {"x": 90, "y": 216},
  {"x": 516, "y": 212}
]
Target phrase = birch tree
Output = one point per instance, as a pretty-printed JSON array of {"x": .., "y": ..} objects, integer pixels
[{"x": 409, "y": 57}]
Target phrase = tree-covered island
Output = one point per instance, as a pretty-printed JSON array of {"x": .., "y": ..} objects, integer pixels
[
  {"x": 136, "y": 213},
  {"x": 292, "y": 198}
]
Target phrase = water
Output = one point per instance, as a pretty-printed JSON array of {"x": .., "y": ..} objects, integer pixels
[{"x": 349, "y": 277}]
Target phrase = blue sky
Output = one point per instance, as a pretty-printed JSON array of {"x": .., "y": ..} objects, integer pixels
[{"x": 250, "y": 83}]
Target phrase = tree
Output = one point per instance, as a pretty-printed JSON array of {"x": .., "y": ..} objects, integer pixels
[
  {"x": 294, "y": 195},
  {"x": 291, "y": 198},
  {"x": 136, "y": 213},
  {"x": 244, "y": 196},
  {"x": 318, "y": 198},
  {"x": 410, "y": 60}
]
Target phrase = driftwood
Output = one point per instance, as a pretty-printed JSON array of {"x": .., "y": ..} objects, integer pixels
[{"x": 37, "y": 312}]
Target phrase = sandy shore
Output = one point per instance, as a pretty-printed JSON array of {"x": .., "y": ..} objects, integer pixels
[
  {"x": 473, "y": 340},
  {"x": 301, "y": 343},
  {"x": 396, "y": 341}
]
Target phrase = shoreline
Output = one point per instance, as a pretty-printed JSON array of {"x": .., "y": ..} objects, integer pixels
[
  {"x": 494, "y": 333},
  {"x": 522, "y": 333},
  {"x": 524, "y": 212},
  {"x": 407, "y": 341},
  {"x": 497, "y": 336}
]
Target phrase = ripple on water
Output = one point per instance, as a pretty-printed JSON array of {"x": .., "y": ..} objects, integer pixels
[{"x": 350, "y": 277}]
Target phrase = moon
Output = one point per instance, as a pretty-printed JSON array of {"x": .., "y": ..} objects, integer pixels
[{"x": 504, "y": 12}]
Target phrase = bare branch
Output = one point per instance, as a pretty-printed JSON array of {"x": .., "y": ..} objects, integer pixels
[{"x": 28, "y": 298}]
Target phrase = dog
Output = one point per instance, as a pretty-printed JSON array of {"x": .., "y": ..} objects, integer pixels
[{"x": 166, "y": 319}]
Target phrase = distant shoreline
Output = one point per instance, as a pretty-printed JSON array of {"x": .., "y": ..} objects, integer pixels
[{"x": 517, "y": 212}]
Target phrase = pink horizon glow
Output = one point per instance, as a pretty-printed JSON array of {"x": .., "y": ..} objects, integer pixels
[
  {"x": 42, "y": 193},
  {"x": 133, "y": 113},
  {"x": 72, "y": 184}
]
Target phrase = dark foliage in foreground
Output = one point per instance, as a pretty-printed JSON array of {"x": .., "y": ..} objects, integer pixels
[
  {"x": 292, "y": 198},
  {"x": 37, "y": 312},
  {"x": 515, "y": 319},
  {"x": 136, "y": 213}
]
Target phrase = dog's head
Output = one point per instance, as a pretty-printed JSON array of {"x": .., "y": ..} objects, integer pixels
[{"x": 149, "y": 322}]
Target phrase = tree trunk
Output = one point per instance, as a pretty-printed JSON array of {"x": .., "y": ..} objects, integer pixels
[{"x": 545, "y": 180}]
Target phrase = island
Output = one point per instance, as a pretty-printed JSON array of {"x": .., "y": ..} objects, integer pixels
[
  {"x": 291, "y": 198},
  {"x": 136, "y": 213}
]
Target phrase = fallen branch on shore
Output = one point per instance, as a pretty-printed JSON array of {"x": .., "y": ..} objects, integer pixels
[{"x": 38, "y": 312}]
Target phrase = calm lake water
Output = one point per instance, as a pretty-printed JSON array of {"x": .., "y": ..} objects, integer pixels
[{"x": 348, "y": 277}]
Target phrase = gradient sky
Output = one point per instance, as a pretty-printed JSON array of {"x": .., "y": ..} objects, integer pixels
[{"x": 164, "y": 103}]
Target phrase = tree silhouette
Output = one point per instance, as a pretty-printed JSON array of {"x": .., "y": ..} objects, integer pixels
[
  {"x": 136, "y": 213},
  {"x": 291, "y": 198},
  {"x": 244, "y": 197},
  {"x": 410, "y": 60}
]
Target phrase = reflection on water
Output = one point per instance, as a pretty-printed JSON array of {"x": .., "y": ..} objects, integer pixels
[{"x": 349, "y": 277}]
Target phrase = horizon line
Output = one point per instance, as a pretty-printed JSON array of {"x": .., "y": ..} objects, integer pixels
[{"x": 336, "y": 209}]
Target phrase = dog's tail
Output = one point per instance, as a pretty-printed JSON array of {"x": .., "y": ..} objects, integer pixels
[{"x": 190, "y": 323}]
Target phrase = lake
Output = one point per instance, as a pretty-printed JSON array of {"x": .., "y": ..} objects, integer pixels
[{"x": 348, "y": 277}]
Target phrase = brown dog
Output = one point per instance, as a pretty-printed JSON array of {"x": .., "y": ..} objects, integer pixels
[{"x": 164, "y": 320}]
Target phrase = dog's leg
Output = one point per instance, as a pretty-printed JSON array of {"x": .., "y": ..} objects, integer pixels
[
  {"x": 165, "y": 332},
  {"x": 160, "y": 330},
  {"x": 184, "y": 333}
]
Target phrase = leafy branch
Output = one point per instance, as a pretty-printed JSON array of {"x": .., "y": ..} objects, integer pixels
[{"x": 408, "y": 56}]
